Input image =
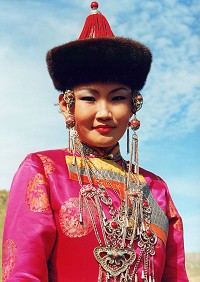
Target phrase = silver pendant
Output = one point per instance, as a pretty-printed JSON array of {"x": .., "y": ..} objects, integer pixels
[{"x": 114, "y": 260}]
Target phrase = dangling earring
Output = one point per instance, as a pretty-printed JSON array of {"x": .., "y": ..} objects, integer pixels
[
  {"x": 70, "y": 119},
  {"x": 134, "y": 124}
]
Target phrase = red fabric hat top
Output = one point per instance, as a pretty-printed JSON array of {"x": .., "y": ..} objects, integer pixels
[{"x": 96, "y": 25}]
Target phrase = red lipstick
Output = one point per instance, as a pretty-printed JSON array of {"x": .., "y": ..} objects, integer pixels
[{"x": 103, "y": 128}]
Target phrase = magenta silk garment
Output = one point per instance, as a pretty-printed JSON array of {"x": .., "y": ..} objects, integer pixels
[{"x": 43, "y": 239}]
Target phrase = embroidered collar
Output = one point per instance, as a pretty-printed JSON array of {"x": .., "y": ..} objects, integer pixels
[{"x": 97, "y": 152}]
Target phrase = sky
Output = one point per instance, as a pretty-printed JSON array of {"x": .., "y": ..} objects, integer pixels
[{"x": 169, "y": 136}]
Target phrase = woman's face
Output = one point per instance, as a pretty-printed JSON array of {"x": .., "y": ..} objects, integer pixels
[{"x": 102, "y": 112}]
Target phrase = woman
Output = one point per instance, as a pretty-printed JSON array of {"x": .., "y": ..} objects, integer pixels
[{"x": 84, "y": 213}]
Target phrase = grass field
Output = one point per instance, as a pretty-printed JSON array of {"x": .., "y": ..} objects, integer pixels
[
  {"x": 3, "y": 204},
  {"x": 192, "y": 259}
]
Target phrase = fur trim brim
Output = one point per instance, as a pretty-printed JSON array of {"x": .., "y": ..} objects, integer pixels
[{"x": 114, "y": 59}]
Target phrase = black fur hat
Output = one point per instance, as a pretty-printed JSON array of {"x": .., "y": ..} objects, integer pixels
[{"x": 104, "y": 58}]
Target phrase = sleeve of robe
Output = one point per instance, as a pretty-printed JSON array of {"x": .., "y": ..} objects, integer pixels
[
  {"x": 29, "y": 231},
  {"x": 175, "y": 256}
]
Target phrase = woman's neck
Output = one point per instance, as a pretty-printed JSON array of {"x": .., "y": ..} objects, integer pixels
[{"x": 113, "y": 153}]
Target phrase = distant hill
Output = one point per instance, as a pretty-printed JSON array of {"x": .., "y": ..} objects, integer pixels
[
  {"x": 192, "y": 259},
  {"x": 193, "y": 266}
]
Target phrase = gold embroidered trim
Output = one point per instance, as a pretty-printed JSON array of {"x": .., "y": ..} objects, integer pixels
[
  {"x": 9, "y": 256},
  {"x": 36, "y": 194}
]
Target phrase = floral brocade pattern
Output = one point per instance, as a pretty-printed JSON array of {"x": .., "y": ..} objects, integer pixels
[
  {"x": 48, "y": 164},
  {"x": 69, "y": 219},
  {"x": 36, "y": 194},
  {"x": 9, "y": 255},
  {"x": 172, "y": 212}
]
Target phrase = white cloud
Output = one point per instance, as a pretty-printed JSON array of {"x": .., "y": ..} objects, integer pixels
[{"x": 172, "y": 90}]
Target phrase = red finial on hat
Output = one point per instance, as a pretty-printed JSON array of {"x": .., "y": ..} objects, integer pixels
[
  {"x": 94, "y": 5},
  {"x": 96, "y": 25}
]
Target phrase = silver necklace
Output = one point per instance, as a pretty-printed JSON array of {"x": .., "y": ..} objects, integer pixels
[{"x": 115, "y": 254}]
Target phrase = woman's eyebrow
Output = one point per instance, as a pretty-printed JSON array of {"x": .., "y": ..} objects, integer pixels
[
  {"x": 95, "y": 91},
  {"x": 89, "y": 89},
  {"x": 119, "y": 89}
]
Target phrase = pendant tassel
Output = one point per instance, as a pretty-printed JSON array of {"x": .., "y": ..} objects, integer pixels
[
  {"x": 69, "y": 139},
  {"x": 100, "y": 274},
  {"x": 73, "y": 144},
  {"x": 128, "y": 140},
  {"x": 81, "y": 218},
  {"x": 143, "y": 276},
  {"x": 135, "y": 146},
  {"x": 153, "y": 279},
  {"x": 74, "y": 158},
  {"x": 80, "y": 209}
]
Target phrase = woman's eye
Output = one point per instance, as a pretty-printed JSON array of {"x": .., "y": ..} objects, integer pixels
[
  {"x": 118, "y": 98},
  {"x": 88, "y": 98}
]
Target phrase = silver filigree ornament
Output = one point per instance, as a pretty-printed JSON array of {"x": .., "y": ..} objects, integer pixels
[
  {"x": 114, "y": 260},
  {"x": 89, "y": 191},
  {"x": 147, "y": 241}
]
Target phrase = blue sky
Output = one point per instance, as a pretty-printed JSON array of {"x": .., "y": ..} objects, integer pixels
[{"x": 170, "y": 120}]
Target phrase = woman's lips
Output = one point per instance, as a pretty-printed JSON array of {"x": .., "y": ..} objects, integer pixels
[{"x": 104, "y": 128}]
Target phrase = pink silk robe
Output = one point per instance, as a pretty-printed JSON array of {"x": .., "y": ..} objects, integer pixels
[{"x": 43, "y": 239}]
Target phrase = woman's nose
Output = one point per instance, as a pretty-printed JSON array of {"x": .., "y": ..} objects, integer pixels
[{"x": 103, "y": 110}]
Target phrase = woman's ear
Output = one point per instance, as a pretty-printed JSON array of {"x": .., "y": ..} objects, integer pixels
[{"x": 62, "y": 104}]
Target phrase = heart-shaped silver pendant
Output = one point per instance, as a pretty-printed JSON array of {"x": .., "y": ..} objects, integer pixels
[{"x": 114, "y": 260}]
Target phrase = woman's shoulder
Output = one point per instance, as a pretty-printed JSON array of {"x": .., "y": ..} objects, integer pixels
[
  {"x": 50, "y": 153},
  {"x": 50, "y": 156},
  {"x": 152, "y": 179},
  {"x": 147, "y": 173}
]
